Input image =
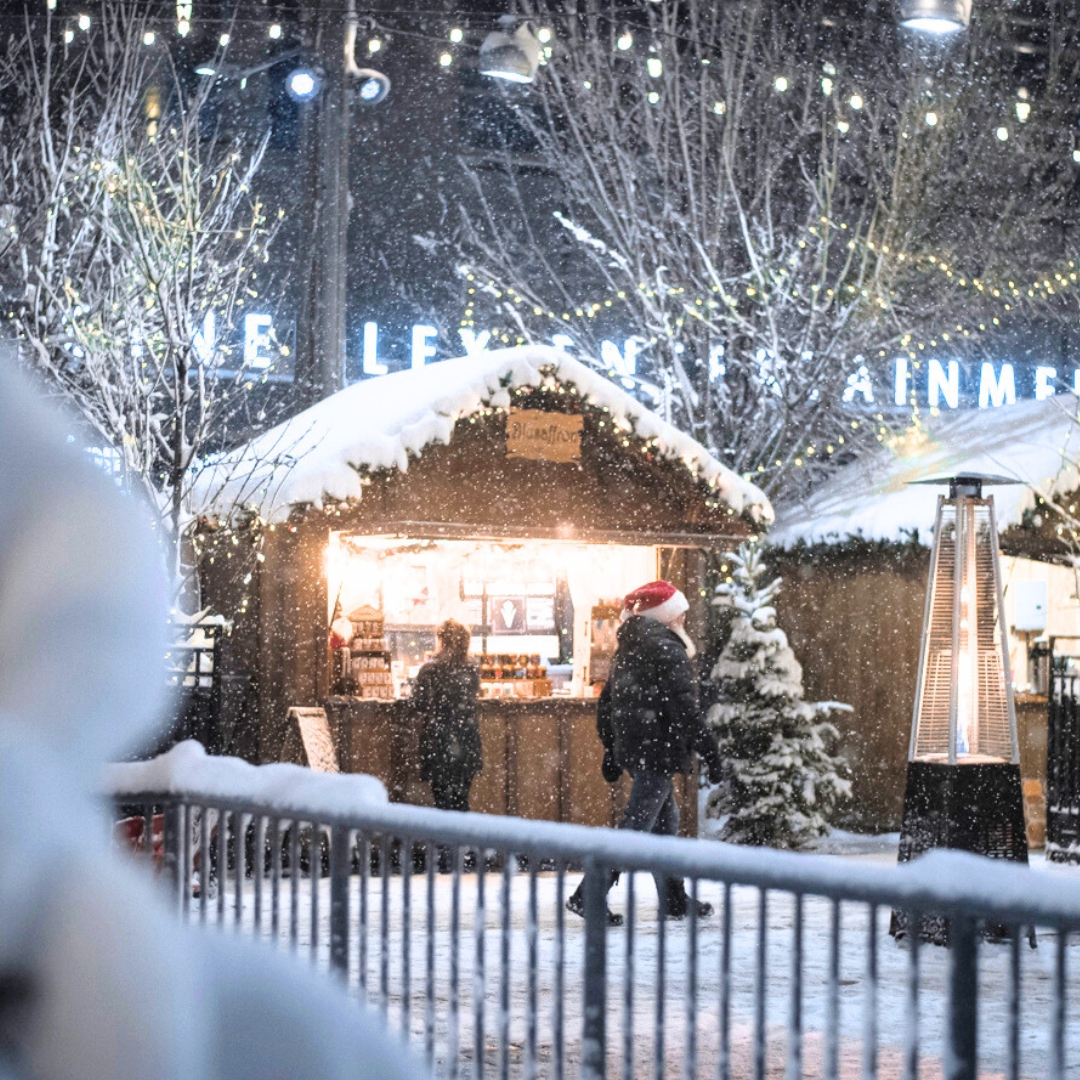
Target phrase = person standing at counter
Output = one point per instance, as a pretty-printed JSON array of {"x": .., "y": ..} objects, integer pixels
[
  {"x": 650, "y": 723},
  {"x": 444, "y": 696}
]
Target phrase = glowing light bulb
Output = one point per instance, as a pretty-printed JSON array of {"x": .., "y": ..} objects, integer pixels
[
  {"x": 445, "y": 60},
  {"x": 931, "y": 119},
  {"x": 148, "y": 37},
  {"x": 275, "y": 30},
  {"x": 544, "y": 36},
  {"x": 1023, "y": 111},
  {"x": 654, "y": 66},
  {"x": 826, "y": 86},
  {"x": 374, "y": 45},
  {"x": 84, "y": 22},
  {"x": 1003, "y": 134},
  {"x": 456, "y": 35},
  {"x": 223, "y": 40},
  {"x": 856, "y": 101},
  {"x": 781, "y": 84}
]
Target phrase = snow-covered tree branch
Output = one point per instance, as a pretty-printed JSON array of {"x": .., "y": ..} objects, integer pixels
[
  {"x": 134, "y": 240},
  {"x": 762, "y": 207}
]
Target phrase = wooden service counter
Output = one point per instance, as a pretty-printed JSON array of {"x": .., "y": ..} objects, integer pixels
[{"x": 541, "y": 759}]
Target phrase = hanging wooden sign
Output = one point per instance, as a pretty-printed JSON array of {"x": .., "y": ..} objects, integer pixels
[{"x": 543, "y": 436}]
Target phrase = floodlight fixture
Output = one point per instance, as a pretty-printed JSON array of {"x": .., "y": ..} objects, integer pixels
[
  {"x": 935, "y": 16},
  {"x": 372, "y": 87},
  {"x": 512, "y": 55},
  {"x": 303, "y": 84}
]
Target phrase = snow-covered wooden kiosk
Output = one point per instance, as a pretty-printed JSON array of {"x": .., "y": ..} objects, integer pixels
[
  {"x": 855, "y": 553},
  {"x": 518, "y": 492}
]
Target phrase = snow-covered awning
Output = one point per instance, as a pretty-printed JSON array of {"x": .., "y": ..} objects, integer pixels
[
  {"x": 1037, "y": 443},
  {"x": 317, "y": 456}
]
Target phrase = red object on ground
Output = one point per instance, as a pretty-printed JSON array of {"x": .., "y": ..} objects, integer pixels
[{"x": 130, "y": 831}]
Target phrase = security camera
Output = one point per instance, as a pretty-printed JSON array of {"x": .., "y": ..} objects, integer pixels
[{"x": 370, "y": 86}]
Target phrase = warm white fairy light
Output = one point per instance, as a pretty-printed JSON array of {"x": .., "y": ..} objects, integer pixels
[
  {"x": 445, "y": 59},
  {"x": 843, "y": 127},
  {"x": 456, "y": 35},
  {"x": 69, "y": 36},
  {"x": 625, "y": 40},
  {"x": 654, "y": 97},
  {"x": 654, "y": 66},
  {"x": 275, "y": 30},
  {"x": 827, "y": 86},
  {"x": 780, "y": 84},
  {"x": 183, "y": 27},
  {"x": 1023, "y": 111},
  {"x": 148, "y": 37},
  {"x": 544, "y": 35},
  {"x": 1076, "y": 156},
  {"x": 84, "y": 22},
  {"x": 1003, "y": 134},
  {"x": 856, "y": 101},
  {"x": 719, "y": 108},
  {"x": 931, "y": 119},
  {"x": 223, "y": 40}
]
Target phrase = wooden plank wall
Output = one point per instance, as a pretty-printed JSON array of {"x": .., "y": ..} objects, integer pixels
[
  {"x": 855, "y": 625},
  {"x": 541, "y": 760}
]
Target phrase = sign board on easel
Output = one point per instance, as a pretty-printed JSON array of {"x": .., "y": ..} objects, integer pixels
[{"x": 309, "y": 739}]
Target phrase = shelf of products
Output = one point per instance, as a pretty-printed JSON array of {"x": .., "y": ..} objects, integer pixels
[{"x": 513, "y": 675}]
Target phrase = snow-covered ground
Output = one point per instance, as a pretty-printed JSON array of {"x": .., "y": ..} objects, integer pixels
[{"x": 892, "y": 960}]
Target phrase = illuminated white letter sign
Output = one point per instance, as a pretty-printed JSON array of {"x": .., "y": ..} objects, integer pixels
[
  {"x": 473, "y": 342},
  {"x": 997, "y": 391},
  {"x": 622, "y": 363},
  {"x": 257, "y": 340},
  {"x": 422, "y": 349},
  {"x": 900, "y": 380},
  {"x": 371, "y": 365},
  {"x": 1044, "y": 382},
  {"x": 205, "y": 339},
  {"x": 944, "y": 385}
]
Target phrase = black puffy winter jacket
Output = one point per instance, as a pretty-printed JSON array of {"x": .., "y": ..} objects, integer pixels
[
  {"x": 444, "y": 697},
  {"x": 648, "y": 716}
]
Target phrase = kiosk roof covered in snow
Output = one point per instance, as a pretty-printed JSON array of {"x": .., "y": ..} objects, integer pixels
[
  {"x": 1036, "y": 443},
  {"x": 632, "y": 469}
]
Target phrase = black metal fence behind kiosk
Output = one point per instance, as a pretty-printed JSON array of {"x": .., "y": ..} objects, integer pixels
[{"x": 1063, "y": 769}]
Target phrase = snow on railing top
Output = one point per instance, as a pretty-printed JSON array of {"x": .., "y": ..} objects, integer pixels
[
  {"x": 940, "y": 881},
  {"x": 293, "y": 789},
  {"x": 1037, "y": 442},
  {"x": 379, "y": 423}
]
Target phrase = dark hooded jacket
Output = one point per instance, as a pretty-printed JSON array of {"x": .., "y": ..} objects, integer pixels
[
  {"x": 444, "y": 696},
  {"x": 648, "y": 715}
]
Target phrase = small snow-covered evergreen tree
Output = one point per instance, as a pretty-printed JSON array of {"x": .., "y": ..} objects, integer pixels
[{"x": 782, "y": 784}]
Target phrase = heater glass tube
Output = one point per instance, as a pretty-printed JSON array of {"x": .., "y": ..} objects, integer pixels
[{"x": 967, "y": 675}]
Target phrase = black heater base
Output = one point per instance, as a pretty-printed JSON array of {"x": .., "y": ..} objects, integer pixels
[{"x": 976, "y": 808}]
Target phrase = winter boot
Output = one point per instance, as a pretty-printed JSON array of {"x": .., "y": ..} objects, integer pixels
[
  {"x": 678, "y": 902},
  {"x": 576, "y": 901}
]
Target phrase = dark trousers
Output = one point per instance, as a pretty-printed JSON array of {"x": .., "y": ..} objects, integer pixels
[
  {"x": 451, "y": 790},
  {"x": 652, "y": 808}
]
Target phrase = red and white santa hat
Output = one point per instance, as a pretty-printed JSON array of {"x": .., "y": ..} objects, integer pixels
[{"x": 658, "y": 600}]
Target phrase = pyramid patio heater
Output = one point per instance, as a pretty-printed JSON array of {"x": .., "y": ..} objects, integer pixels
[{"x": 963, "y": 782}]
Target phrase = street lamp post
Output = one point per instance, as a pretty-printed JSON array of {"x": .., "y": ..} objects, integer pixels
[{"x": 320, "y": 361}]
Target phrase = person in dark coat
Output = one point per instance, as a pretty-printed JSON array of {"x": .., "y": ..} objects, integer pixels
[
  {"x": 444, "y": 696},
  {"x": 651, "y": 726}
]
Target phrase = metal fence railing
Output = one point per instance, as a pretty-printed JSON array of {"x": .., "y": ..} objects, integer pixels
[{"x": 454, "y": 926}]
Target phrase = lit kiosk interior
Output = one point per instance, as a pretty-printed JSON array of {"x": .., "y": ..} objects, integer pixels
[{"x": 518, "y": 492}]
